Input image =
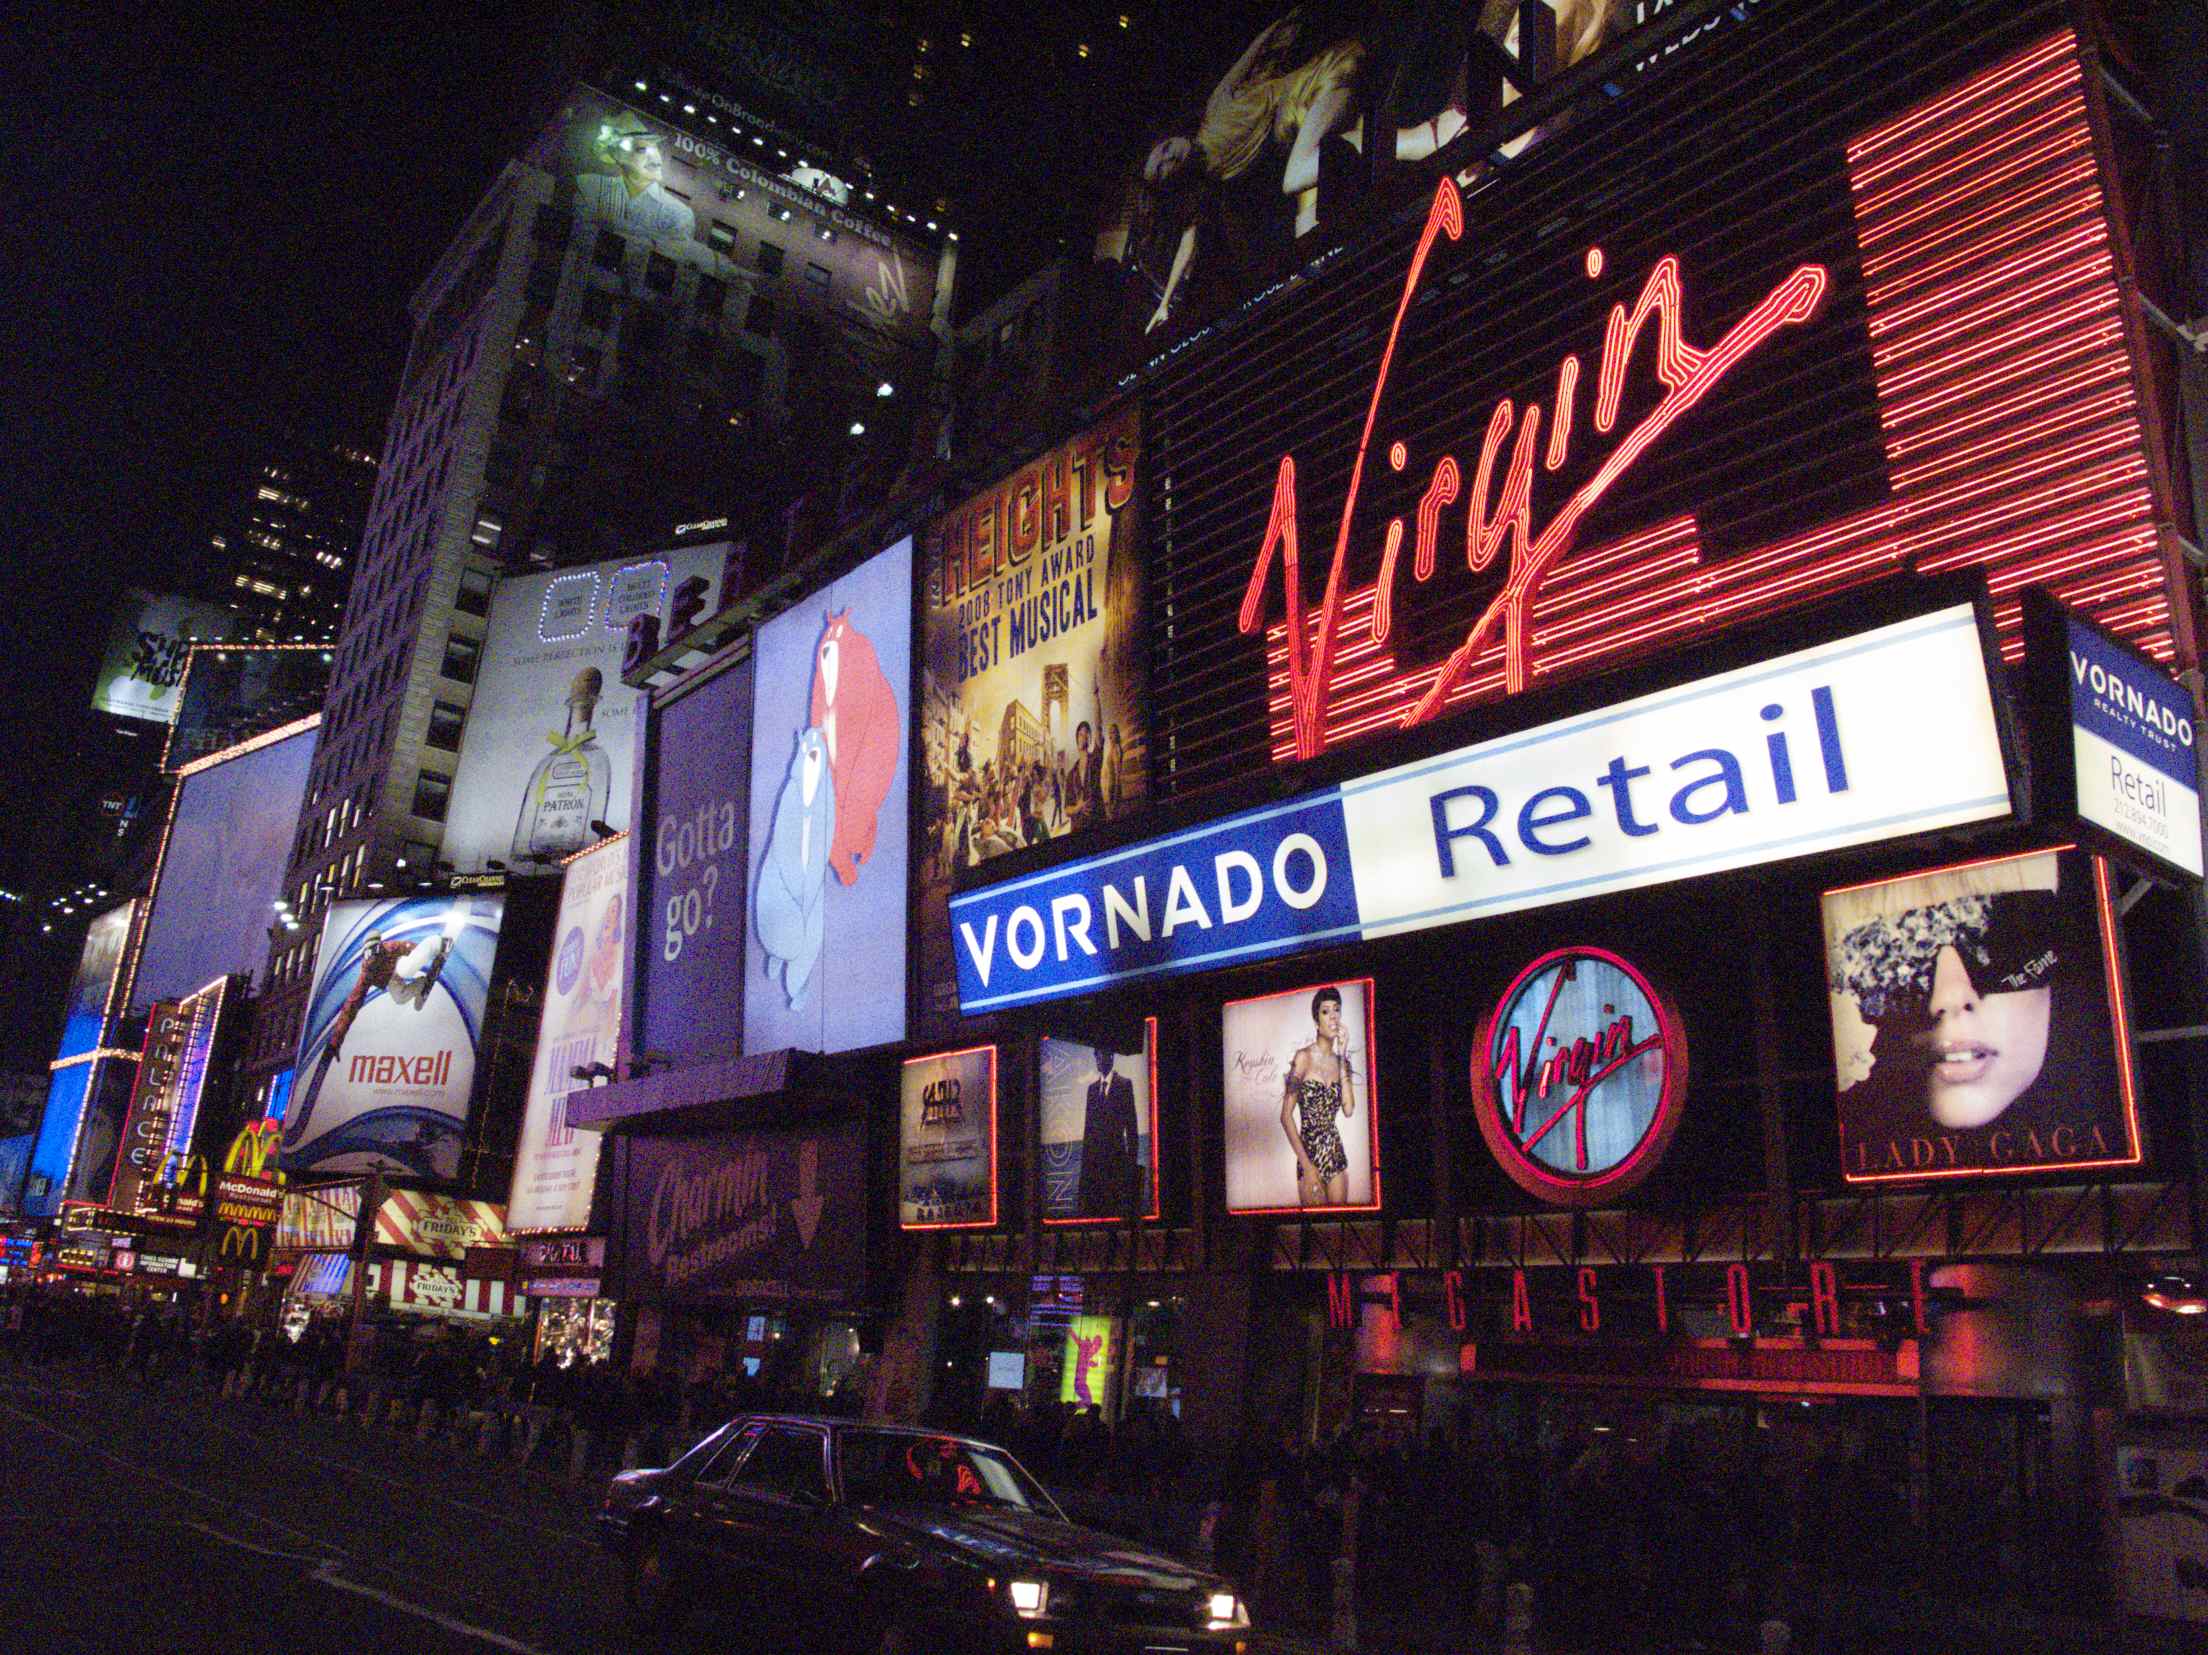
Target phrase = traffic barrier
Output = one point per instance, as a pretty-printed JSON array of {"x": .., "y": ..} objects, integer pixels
[
  {"x": 1518, "y": 1620},
  {"x": 1344, "y": 1628}
]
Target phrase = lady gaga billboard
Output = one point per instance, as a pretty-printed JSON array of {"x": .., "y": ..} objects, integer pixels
[{"x": 1978, "y": 1021}]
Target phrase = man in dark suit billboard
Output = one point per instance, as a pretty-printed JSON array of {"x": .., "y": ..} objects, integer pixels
[{"x": 1108, "y": 1182}]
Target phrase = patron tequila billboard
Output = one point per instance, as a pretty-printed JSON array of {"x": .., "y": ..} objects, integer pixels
[{"x": 544, "y": 754}]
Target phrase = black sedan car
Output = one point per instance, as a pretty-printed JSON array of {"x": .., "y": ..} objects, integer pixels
[{"x": 897, "y": 1541}]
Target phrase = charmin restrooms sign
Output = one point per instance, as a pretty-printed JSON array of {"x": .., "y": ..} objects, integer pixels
[
  {"x": 744, "y": 1215},
  {"x": 1877, "y": 735}
]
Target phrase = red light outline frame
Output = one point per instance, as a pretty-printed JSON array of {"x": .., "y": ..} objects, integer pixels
[
  {"x": 1645, "y": 1156},
  {"x": 1157, "y": 1196},
  {"x": 135, "y": 945},
  {"x": 996, "y": 1201},
  {"x": 1372, "y": 1095},
  {"x": 2119, "y": 1009}
]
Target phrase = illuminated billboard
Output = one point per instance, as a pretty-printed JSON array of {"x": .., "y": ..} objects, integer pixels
[
  {"x": 93, "y": 985},
  {"x": 233, "y": 692},
  {"x": 622, "y": 170},
  {"x": 54, "y": 1150},
  {"x": 73, "y": 1157},
  {"x": 824, "y": 951},
  {"x": 556, "y": 1165},
  {"x": 165, "y": 1100},
  {"x": 947, "y": 1141},
  {"x": 1297, "y": 1086},
  {"x": 1218, "y": 199},
  {"x": 221, "y": 866},
  {"x": 1514, "y": 440},
  {"x": 690, "y": 870},
  {"x": 393, "y": 1029},
  {"x": 1979, "y": 1023},
  {"x": 1098, "y": 1131},
  {"x": 144, "y": 660},
  {"x": 546, "y": 748},
  {"x": 1884, "y": 732},
  {"x": 15, "y": 1167},
  {"x": 1033, "y": 724}
]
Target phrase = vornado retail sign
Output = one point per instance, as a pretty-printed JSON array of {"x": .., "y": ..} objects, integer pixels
[{"x": 1882, "y": 734}]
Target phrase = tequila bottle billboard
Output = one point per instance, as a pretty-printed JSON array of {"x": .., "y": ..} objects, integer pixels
[{"x": 571, "y": 785}]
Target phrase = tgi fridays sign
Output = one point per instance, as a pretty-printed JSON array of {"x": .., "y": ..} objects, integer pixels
[
  {"x": 438, "y": 1226},
  {"x": 441, "y": 1288}
]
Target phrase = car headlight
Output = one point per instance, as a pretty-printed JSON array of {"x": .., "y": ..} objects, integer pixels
[
  {"x": 1029, "y": 1597},
  {"x": 1225, "y": 1609}
]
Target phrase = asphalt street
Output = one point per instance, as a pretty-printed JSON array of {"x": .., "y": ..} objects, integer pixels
[
  {"x": 168, "y": 1520},
  {"x": 171, "y": 1520}
]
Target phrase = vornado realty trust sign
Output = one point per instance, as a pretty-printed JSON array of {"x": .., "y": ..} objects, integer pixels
[
  {"x": 1873, "y": 736},
  {"x": 745, "y": 1215}
]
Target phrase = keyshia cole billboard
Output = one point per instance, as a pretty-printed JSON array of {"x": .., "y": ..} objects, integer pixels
[
  {"x": 556, "y": 1166},
  {"x": 1297, "y": 1085},
  {"x": 393, "y": 1028},
  {"x": 1979, "y": 1023},
  {"x": 1032, "y": 720},
  {"x": 824, "y": 950}
]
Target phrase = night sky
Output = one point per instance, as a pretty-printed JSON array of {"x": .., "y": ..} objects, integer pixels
[{"x": 218, "y": 216}]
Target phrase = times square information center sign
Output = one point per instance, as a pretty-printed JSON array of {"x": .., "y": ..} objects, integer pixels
[{"x": 1883, "y": 733}]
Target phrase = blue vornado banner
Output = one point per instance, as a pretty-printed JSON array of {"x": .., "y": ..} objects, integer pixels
[
  {"x": 1886, "y": 733},
  {"x": 2138, "y": 761}
]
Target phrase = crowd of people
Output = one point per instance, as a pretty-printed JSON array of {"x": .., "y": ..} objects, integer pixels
[{"x": 1628, "y": 1537}]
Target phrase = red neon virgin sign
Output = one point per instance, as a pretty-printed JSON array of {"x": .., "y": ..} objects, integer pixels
[{"x": 1496, "y": 514}]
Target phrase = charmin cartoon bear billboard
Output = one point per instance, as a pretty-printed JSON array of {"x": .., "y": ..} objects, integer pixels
[{"x": 824, "y": 953}]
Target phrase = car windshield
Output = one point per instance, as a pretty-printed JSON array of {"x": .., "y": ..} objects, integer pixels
[{"x": 907, "y": 1467}]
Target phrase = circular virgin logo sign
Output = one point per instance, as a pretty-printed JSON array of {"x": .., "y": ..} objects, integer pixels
[{"x": 1577, "y": 1076}]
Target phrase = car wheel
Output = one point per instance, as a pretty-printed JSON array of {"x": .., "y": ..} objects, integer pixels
[{"x": 649, "y": 1589}]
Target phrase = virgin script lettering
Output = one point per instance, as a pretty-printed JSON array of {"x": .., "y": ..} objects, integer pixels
[{"x": 1688, "y": 374}]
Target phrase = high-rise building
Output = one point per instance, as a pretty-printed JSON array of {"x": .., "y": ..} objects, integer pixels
[
  {"x": 282, "y": 556},
  {"x": 657, "y": 316}
]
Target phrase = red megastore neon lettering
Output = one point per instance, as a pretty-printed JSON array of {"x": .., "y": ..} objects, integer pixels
[
  {"x": 432, "y": 1070},
  {"x": 1501, "y": 512}
]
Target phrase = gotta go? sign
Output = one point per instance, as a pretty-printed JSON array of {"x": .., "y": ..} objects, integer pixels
[{"x": 1874, "y": 736}]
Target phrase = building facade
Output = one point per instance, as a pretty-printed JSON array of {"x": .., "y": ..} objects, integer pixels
[{"x": 653, "y": 319}]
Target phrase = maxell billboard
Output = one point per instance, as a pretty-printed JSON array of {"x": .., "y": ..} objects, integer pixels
[{"x": 387, "y": 1052}]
